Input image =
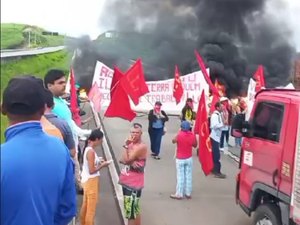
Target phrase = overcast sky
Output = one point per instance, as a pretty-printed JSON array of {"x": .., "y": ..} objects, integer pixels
[{"x": 78, "y": 17}]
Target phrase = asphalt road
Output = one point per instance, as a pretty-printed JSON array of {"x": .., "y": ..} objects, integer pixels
[
  {"x": 108, "y": 211},
  {"x": 212, "y": 200}
]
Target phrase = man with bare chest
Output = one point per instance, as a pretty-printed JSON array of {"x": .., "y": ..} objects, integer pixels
[{"x": 132, "y": 175}]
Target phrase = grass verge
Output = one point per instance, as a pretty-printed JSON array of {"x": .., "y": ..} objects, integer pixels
[
  {"x": 11, "y": 35},
  {"x": 35, "y": 65},
  {"x": 21, "y": 35}
]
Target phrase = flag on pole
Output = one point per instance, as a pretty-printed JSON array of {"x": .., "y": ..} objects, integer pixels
[
  {"x": 73, "y": 99},
  {"x": 133, "y": 82},
  {"x": 68, "y": 88},
  {"x": 202, "y": 129},
  {"x": 95, "y": 97},
  {"x": 206, "y": 75},
  {"x": 119, "y": 105},
  {"x": 259, "y": 78},
  {"x": 115, "y": 80},
  {"x": 177, "y": 89}
]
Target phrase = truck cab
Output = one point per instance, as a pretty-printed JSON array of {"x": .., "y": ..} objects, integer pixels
[{"x": 268, "y": 182}]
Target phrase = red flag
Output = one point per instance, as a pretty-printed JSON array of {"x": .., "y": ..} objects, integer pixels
[
  {"x": 119, "y": 105},
  {"x": 115, "y": 80},
  {"x": 95, "y": 97},
  {"x": 259, "y": 78},
  {"x": 73, "y": 99},
  {"x": 134, "y": 82},
  {"x": 177, "y": 89},
  {"x": 206, "y": 76},
  {"x": 201, "y": 128}
]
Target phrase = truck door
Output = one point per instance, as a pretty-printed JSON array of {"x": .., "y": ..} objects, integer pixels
[
  {"x": 295, "y": 202},
  {"x": 262, "y": 152}
]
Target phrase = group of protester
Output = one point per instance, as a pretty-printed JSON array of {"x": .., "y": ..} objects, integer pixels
[
  {"x": 135, "y": 152},
  {"x": 185, "y": 140},
  {"x": 39, "y": 164},
  {"x": 40, "y": 168}
]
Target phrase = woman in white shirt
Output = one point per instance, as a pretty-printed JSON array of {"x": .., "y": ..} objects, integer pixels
[{"x": 90, "y": 177}]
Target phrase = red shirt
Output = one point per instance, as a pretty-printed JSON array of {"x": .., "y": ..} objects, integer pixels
[{"x": 185, "y": 142}]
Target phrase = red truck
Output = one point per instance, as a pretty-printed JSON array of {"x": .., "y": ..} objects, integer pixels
[{"x": 268, "y": 183}]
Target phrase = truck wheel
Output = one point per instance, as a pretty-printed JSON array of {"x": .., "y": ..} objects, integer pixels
[{"x": 267, "y": 214}]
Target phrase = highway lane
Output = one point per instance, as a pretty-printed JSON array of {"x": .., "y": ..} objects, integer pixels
[
  {"x": 24, "y": 52},
  {"x": 213, "y": 200}
]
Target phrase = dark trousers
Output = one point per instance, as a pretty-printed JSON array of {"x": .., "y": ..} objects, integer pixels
[
  {"x": 155, "y": 139},
  {"x": 224, "y": 136},
  {"x": 216, "y": 156}
]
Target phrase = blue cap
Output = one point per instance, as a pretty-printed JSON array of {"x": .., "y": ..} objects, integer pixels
[{"x": 185, "y": 126}]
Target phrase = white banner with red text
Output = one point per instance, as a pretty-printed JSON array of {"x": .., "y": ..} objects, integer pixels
[{"x": 162, "y": 90}]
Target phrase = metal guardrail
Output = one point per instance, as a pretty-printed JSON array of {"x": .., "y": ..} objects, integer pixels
[{"x": 22, "y": 52}]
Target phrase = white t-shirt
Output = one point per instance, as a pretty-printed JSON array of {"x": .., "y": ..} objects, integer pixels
[
  {"x": 216, "y": 125},
  {"x": 85, "y": 174}
]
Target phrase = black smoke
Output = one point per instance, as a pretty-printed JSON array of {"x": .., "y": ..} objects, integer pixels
[{"x": 233, "y": 36}]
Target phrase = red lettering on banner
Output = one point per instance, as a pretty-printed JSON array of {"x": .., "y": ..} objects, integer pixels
[
  {"x": 105, "y": 72},
  {"x": 104, "y": 84}
]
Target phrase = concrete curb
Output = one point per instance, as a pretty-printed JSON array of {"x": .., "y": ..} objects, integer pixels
[{"x": 109, "y": 155}]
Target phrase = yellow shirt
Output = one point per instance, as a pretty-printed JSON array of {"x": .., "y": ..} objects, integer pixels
[{"x": 50, "y": 129}]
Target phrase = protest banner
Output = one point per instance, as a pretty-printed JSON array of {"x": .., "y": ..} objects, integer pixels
[{"x": 161, "y": 90}]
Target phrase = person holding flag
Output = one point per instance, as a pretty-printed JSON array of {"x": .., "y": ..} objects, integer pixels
[{"x": 216, "y": 125}]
